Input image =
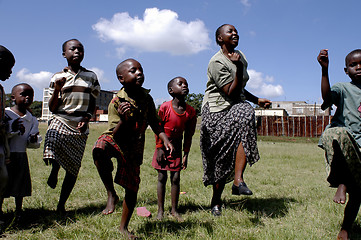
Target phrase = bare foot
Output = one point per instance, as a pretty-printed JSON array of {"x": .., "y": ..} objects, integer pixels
[
  {"x": 127, "y": 234},
  {"x": 160, "y": 215},
  {"x": 340, "y": 195},
  {"x": 112, "y": 201},
  {"x": 342, "y": 235},
  {"x": 177, "y": 216}
]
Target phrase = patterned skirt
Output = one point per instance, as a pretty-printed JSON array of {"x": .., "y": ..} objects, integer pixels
[
  {"x": 64, "y": 145},
  {"x": 342, "y": 155},
  {"x": 221, "y": 134}
]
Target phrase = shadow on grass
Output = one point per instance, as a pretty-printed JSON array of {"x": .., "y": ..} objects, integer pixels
[
  {"x": 262, "y": 207},
  {"x": 42, "y": 219}
]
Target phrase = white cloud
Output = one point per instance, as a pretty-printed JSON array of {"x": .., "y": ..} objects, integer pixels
[
  {"x": 100, "y": 74},
  {"x": 246, "y": 3},
  {"x": 262, "y": 86},
  {"x": 158, "y": 31},
  {"x": 40, "y": 80}
]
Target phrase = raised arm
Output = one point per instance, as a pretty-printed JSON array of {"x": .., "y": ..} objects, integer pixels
[
  {"x": 54, "y": 100},
  {"x": 325, "y": 82}
]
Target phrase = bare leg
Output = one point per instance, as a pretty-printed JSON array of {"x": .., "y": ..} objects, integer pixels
[
  {"x": 19, "y": 204},
  {"x": 105, "y": 174},
  {"x": 53, "y": 177},
  {"x": 67, "y": 187},
  {"x": 351, "y": 210},
  {"x": 217, "y": 193},
  {"x": 175, "y": 187},
  {"x": 240, "y": 165},
  {"x": 162, "y": 180},
  {"x": 340, "y": 195},
  {"x": 129, "y": 202}
]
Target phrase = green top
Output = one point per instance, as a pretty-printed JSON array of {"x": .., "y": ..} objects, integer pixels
[
  {"x": 142, "y": 114},
  {"x": 221, "y": 71},
  {"x": 347, "y": 98}
]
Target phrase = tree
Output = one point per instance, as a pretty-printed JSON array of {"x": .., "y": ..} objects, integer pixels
[{"x": 195, "y": 100}]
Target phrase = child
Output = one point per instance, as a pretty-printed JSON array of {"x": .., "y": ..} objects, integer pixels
[
  {"x": 342, "y": 138},
  {"x": 72, "y": 102},
  {"x": 177, "y": 117},
  {"x": 129, "y": 114},
  {"x": 23, "y": 133},
  {"x": 7, "y": 62}
]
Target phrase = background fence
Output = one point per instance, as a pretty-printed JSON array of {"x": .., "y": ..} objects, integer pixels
[{"x": 300, "y": 126}]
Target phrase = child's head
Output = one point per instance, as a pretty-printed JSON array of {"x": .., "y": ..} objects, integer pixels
[
  {"x": 22, "y": 94},
  {"x": 130, "y": 74},
  {"x": 178, "y": 87},
  {"x": 7, "y": 62},
  {"x": 353, "y": 65},
  {"x": 227, "y": 34},
  {"x": 73, "y": 51}
]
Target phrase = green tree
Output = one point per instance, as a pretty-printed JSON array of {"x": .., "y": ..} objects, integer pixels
[{"x": 195, "y": 100}]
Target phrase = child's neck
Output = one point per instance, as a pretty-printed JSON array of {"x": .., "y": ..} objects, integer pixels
[
  {"x": 19, "y": 110},
  {"x": 227, "y": 50},
  {"x": 74, "y": 68},
  {"x": 179, "y": 105}
]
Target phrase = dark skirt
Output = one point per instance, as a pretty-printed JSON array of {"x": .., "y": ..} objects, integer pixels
[
  {"x": 65, "y": 146},
  {"x": 221, "y": 134}
]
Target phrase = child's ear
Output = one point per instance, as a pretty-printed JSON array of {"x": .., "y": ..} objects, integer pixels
[
  {"x": 120, "y": 78},
  {"x": 170, "y": 90},
  {"x": 346, "y": 71},
  {"x": 63, "y": 54},
  {"x": 220, "y": 39},
  {"x": 12, "y": 97}
]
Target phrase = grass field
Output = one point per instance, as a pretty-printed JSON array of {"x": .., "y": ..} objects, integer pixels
[{"x": 291, "y": 199}]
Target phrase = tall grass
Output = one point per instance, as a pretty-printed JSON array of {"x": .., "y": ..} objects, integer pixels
[{"x": 291, "y": 200}]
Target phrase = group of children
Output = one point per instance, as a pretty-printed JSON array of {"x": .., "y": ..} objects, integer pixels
[{"x": 73, "y": 93}]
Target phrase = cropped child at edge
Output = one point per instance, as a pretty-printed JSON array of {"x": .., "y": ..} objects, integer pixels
[
  {"x": 7, "y": 62},
  {"x": 23, "y": 133},
  {"x": 129, "y": 114},
  {"x": 341, "y": 140},
  {"x": 177, "y": 118}
]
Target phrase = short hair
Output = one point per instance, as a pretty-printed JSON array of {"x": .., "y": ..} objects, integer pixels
[
  {"x": 6, "y": 55},
  {"x": 20, "y": 84},
  {"x": 66, "y": 42},
  {"x": 350, "y": 54},
  {"x": 218, "y": 32},
  {"x": 170, "y": 83},
  {"x": 120, "y": 65}
]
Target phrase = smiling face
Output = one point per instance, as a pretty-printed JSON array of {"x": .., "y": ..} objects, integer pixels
[
  {"x": 228, "y": 35},
  {"x": 130, "y": 74},
  {"x": 178, "y": 87},
  {"x": 353, "y": 66},
  {"x": 73, "y": 51},
  {"x": 22, "y": 95}
]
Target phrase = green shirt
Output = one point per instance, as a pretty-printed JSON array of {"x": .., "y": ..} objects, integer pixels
[
  {"x": 222, "y": 71},
  {"x": 347, "y": 98},
  {"x": 142, "y": 114}
]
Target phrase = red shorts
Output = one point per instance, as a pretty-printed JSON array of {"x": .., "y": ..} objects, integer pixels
[{"x": 128, "y": 174}]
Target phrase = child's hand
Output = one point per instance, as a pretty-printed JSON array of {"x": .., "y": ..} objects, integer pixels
[
  {"x": 124, "y": 110},
  {"x": 160, "y": 156},
  {"x": 265, "y": 103},
  {"x": 18, "y": 126},
  {"x": 83, "y": 124},
  {"x": 185, "y": 161},
  {"x": 235, "y": 58},
  {"x": 59, "y": 83},
  {"x": 169, "y": 147},
  {"x": 34, "y": 137},
  {"x": 323, "y": 58}
]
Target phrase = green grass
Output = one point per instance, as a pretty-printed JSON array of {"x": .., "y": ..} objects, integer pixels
[{"x": 291, "y": 199}]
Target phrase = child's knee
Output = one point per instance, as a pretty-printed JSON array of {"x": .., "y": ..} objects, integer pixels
[
  {"x": 176, "y": 178},
  {"x": 162, "y": 176}
]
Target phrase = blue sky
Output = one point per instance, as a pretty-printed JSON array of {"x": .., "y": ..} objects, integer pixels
[{"x": 280, "y": 38}]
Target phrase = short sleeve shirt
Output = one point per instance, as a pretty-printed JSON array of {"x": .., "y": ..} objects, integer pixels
[
  {"x": 222, "y": 71},
  {"x": 347, "y": 98}
]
